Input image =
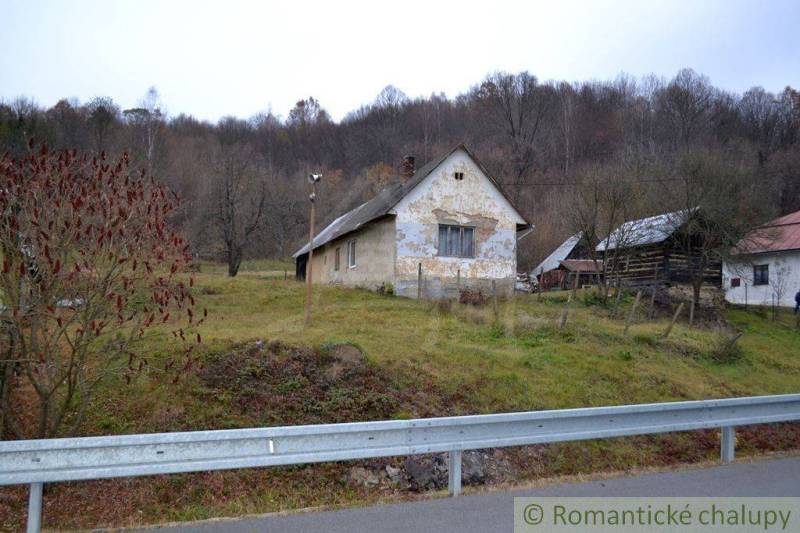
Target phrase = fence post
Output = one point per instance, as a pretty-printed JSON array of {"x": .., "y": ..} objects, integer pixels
[
  {"x": 633, "y": 311},
  {"x": 494, "y": 300},
  {"x": 674, "y": 319},
  {"x": 454, "y": 472},
  {"x": 419, "y": 281},
  {"x": 652, "y": 308},
  {"x": 728, "y": 444},
  {"x": 35, "y": 508}
]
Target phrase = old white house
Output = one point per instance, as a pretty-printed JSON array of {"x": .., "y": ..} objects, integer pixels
[
  {"x": 447, "y": 224},
  {"x": 766, "y": 265}
]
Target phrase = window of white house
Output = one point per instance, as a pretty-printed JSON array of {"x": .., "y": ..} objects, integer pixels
[
  {"x": 337, "y": 258},
  {"x": 760, "y": 274},
  {"x": 459, "y": 176},
  {"x": 736, "y": 282},
  {"x": 351, "y": 254},
  {"x": 456, "y": 241}
]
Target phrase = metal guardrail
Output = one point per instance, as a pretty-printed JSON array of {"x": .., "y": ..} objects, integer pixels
[{"x": 36, "y": 462}]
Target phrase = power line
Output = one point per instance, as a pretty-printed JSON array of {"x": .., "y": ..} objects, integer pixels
[{"x": 574, "y": 183}]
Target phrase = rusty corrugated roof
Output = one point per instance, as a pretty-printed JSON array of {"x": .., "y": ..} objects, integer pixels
[{"x": 780, "y": 235}]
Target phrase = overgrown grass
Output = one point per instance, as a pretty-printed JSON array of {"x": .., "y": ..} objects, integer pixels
[
  {"x": 476, "y": 361},
  {"x": 517, "y": 360}
]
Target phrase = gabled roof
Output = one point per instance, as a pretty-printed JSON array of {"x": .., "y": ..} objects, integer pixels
[
  {"x": 780, "y": 235},
  {"x": 559, "y": 254},
  {"x": 382, "y": 203},
  {"x": 650, "y": 230}
]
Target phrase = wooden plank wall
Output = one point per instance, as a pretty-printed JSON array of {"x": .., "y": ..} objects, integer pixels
[{"x": 659, "y": 264}]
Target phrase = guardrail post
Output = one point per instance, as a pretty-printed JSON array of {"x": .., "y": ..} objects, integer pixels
[
  {"x": 728, "y": 444},
  {"x": 35, "y": 508},
  {"x": 454, "y": 472}
]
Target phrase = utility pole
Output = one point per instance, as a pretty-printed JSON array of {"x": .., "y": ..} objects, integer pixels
[{"x": 313, "y": 179}]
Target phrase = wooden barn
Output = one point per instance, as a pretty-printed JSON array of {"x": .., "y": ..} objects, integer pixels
[
  {"x": 563, "y": 277},
  {"x": 559, "y": 268},
  {"x": 652, "y": 251}
]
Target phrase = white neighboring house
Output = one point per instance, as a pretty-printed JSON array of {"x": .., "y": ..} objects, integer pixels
[{"x": 766, "y": 265}]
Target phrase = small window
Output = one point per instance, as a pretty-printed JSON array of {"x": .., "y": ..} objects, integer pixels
[
  {"x": 456, "y": 241},
  {"x": 458, "y": 176},
  {"x": 351, "y": 254},
  {"x": 736, "y": 282},
  {"x": 337, "y": 258},
  {"x": 760, "y": 274}
]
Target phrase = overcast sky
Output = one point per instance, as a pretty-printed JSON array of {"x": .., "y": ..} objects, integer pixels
[{"x": 212, "y": 59}]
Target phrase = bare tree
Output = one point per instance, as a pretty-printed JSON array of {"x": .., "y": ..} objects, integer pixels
[
  {"x": 717, "y": 199},
  {"x": 600, "y": 205},
  {"x": 236, "y": 197},
  {"x": 146, "y": 121},
  {"x": 518, "y": 105},
  {"x": 104, "y": 116},
  {"x": 685, "y": 106}
]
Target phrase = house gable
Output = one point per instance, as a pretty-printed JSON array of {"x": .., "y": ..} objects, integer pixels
[
  {"x": 469, "y": 199},
  {"x": 457, "y": 200}
]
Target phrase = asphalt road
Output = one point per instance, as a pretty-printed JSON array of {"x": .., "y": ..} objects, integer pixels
[{"x": 493, "y": 511}]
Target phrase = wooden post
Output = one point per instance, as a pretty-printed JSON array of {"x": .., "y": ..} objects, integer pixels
[
  {"x": 565, "y": 312},
  {"x": 458, "y": 283},
  {"x": 617, "y": 297},
  {"x": 310, "y": 255},
  {"x": 633, "y": 311},
  {"x": 285, "y": 274},
  {"x": 575, "y": 284},
  {"x": 494, "y": 299},
  {"x": 419, "y": 281},
  {"x": 540, "y": 285},
  {"x": 652, "y": 309},
  {"x": 674, "y": 319},
  {"x": 691, "y": 310}
]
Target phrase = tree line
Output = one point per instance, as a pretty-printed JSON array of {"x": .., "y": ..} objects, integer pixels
[{"x": 646, "y": 145}]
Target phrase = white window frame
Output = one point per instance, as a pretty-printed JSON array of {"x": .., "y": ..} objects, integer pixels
[{"x": 351, "y": 254}]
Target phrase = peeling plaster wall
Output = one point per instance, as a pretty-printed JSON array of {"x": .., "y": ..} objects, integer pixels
[
  {"x": 374, "y": 257},
  {"x": 473, "y": 201}
]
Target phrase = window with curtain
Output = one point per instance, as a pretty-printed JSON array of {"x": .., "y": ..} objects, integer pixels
[{"x": 456, "y": 241}]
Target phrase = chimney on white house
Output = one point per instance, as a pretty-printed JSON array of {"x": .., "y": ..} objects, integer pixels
[{"x": 408, "y": 166}]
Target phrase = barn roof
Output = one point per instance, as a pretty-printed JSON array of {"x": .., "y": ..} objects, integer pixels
[
  {"x": 650, "y": 230},
  {"x": 560, "y": 253},
  {"x": 579, "y": 265},
  {"x": 382, "y": 203},
  {"x": 780, "y": 235}
]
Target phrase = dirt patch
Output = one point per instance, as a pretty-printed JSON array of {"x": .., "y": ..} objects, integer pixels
[{"x": 291, "y": 385}]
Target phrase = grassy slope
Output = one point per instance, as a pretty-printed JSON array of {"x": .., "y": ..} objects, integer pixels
[
  {"x": 520, "y": 363},
  {"x": 524, "y": 364}
]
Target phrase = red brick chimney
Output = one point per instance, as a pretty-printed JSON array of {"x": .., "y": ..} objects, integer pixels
[{"x": 408, "y": 168}]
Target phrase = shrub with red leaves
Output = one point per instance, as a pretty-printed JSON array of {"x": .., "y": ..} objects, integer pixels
[{"x": 89, "y": 262}]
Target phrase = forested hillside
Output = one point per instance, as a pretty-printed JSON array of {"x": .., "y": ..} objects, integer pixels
[{"x": 552, "y": 146}]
